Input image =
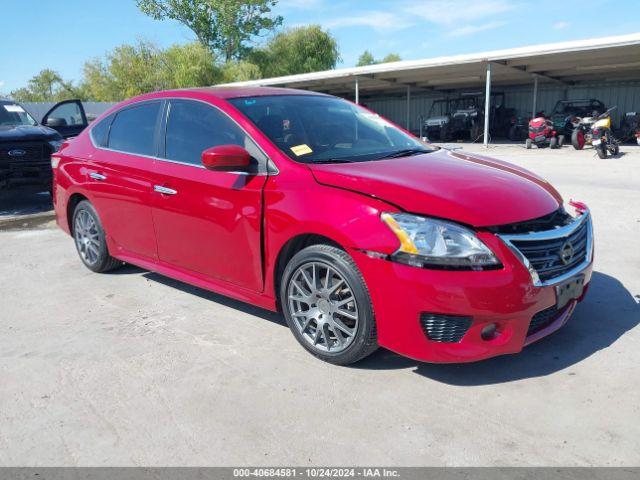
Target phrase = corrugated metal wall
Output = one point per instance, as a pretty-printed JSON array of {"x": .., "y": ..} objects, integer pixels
[{"x": 624, "y": 95}]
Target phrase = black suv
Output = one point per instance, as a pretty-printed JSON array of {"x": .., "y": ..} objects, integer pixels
[{"x": 26, "y": 145}]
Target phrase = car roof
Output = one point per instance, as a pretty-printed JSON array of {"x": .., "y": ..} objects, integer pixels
[{"x": 239, "y": 92}]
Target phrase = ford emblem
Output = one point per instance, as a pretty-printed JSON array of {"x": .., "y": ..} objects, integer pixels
[{"x": 17, "y": 152}]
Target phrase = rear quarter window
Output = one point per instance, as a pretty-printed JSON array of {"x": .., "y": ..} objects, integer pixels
[{"x": 100, "y": 130}]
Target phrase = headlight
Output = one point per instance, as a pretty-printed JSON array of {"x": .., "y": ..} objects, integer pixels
[
  {"x": 55, "y": 145},
  {"x": 427, "y": 242}
]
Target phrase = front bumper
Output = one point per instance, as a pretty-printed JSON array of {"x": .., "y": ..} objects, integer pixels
[
  {"x": 25, "y": 173},
  {"x": 507, "y": 297}
]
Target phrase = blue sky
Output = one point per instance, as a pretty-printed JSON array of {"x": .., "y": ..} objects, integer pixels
[{"x": 62, "y": 34}]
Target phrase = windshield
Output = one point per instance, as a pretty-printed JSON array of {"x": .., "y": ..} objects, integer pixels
[
  {"x": 581, "y": 109},
  {"x": 319, "y": 129},
  {"x": 13, "y": 115}
]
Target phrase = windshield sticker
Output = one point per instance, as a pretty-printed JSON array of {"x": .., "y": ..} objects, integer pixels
[
  {"x": 14, "y": 108},
  {"x": 301, "y": 149}
]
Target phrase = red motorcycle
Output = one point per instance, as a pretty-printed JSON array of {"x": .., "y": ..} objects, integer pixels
[{"x": 542, "y": 133}]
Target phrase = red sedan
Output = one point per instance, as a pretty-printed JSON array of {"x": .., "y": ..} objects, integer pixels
[{"x": 359, "y": 233}]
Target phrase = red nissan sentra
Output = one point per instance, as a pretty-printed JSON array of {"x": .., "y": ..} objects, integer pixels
[{"x": 359, "y": 233}]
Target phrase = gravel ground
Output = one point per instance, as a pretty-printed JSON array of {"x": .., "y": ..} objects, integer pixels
[{"x": 132, "y": 368}]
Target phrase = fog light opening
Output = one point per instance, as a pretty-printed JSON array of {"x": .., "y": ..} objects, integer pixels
[{"x": 489, "y": 332}]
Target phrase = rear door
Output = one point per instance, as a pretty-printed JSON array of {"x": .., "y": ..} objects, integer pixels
[
  {"x": 119, "y": 177},
  {"x": 208, "y": 222},
  {"x": 67, "y": 117}
]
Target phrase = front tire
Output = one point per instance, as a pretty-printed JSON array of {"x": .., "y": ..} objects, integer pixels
[
  {"x": 577, "y": 139},
  {"x": 327, "y": 305},
  {"x": 553, "y": 143},
  {"x": 90, "y": 239}
]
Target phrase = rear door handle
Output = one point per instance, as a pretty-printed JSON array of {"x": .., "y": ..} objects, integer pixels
[
  {"x": 164, "y": 190},
  {"x": 97, "y": 176}
]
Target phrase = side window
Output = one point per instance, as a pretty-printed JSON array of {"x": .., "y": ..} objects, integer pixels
[
  {"x": 133, "y": 129},
  {"x": 192, "y": 127},
  {"x": 67, "y": 114},
  {"x": 99, "y": 131}
]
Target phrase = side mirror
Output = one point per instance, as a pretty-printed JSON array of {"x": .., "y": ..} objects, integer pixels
[
  {"x": 226, "y": 157},
  {"x": 55, "y": 122}
]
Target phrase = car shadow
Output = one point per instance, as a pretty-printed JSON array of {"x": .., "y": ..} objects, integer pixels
[{"x": 608, "y": 312}]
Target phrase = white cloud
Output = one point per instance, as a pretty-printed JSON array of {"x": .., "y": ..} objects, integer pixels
[
  {"x": 561, "y": 25},
  {"x": 471, "y": 29},
  {"x": 450, "y": 12},
  {"x": 378, "y": 20}
]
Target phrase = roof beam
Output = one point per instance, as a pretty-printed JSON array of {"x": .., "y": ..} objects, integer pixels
[
  {"x": 524, "y": 71},
  {"x": 394, "y": 81}
]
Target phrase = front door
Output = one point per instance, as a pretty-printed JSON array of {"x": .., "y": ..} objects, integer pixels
[
  {"x": 67, "y": 117},
  {"x": 208, "y": 222}
]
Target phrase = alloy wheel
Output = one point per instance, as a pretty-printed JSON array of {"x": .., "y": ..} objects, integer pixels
[
  {"x": 87, "y": 237},
  {"x": 323, "y": 307}
]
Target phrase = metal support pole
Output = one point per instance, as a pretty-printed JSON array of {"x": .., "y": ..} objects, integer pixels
[
  {"x": 534, "y": 111},
  {"x": 357, "y": 92},
  {"x": 408, "y": 107},
  {"x": 487, "y": 106}
]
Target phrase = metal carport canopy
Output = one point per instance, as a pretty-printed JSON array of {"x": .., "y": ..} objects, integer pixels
[{"x": 568, "y": 63}]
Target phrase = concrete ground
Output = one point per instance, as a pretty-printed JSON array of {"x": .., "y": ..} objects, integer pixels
[{"x": 132, "y": 368}]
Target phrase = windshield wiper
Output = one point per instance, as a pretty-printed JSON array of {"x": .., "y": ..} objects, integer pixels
[
  {"x": 407, "y": 152},
  {"x": 332, "y": 160}
]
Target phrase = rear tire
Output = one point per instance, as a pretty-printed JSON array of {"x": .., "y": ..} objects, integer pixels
[
  {"x": 616, "y": 150},
  {"x": 513, "y": 133},
  {"x": 577, "y": 139},
  {"x": 315, "y": 289},
  {"x": 528, "y": 144},
  {"x": 602, "y": 152},
  {"x": 553, "y": 143},
  {"x": 560, "y": 141},
  {"x": 90, "y": 239}
]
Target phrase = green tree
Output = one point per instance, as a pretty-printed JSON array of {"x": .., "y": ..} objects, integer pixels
[
  {"x": 391, "y": 57},
  {"x": 367, "y": 59},
  {"x": 46, "y": 86},
  {"x": 131, "y": 70},
  {"x": 190, "y": 65},
  {"x": 298, "y": 50},
  {"x": 240, "y": 71},
  {"x": 224, "y": 26}
]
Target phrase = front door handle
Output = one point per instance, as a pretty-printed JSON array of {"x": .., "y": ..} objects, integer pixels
[
  {"x": 164, "y": 190},
  {"x": 97, "y": 176}
]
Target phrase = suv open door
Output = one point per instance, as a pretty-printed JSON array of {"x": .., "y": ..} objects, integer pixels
[{"x": 67, "y": 117}]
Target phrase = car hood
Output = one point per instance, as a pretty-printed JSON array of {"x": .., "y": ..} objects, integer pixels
[
  {"x": 437, "y": 120},
  {"x": 27, "y": 133},
  {"x": 463, "y": 187}
]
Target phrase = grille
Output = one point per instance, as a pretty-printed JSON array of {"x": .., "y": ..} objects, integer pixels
[
  {"x": 538, "y": 129},
  {"x": 551, "y": 258},
  {"x": 444, "y": 328},
  {"x": 32, "y": 152},
  {"x": 543, "y": 319}
]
